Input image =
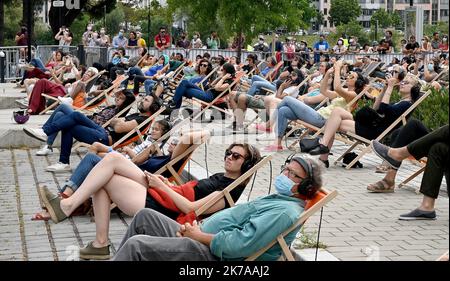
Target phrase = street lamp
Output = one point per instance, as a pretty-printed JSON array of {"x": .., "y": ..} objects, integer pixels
[
  {"x": 2, "y": 67},
  {"x": 30, "y": 32},
  {"x": 148, "y": 24}
]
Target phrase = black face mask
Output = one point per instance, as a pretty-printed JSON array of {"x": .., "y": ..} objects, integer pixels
[{"x": 24, "y": 30}]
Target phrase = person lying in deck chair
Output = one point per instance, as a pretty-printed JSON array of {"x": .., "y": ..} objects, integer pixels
[
  {"x": 231, "y": 234},
  {"x": 116, "y": 179},
  {"x": 76, "y": 125},
  {"x": 434, "y": 146},
  {"x": 147, "y": 161},
  {"x": 122, "y": 100}
]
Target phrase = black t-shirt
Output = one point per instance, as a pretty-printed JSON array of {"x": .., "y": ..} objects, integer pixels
[
  {"x": 384, "y": 46},
  {"x": 412, "y": 46},
  {"x": 216, "y": 182},
  {"x": 217, "y": 93},
  {"x": 247, "y": 68},
  {"x": 117, "y": 136}
]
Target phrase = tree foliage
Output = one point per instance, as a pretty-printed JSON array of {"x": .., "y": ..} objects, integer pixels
[
  {"x": 441, "y": 27},
  {"x": 352, "y": 28},
  {"x": 344, "y": 11},
  {"x": 246, "y": 16},
  {"x": 386, "y": 19}
]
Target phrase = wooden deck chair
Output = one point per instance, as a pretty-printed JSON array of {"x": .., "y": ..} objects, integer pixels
[
  {"x": 313, "y": 205},
  {"x": 360, "y": 140},
  {"x": 140, "y": 130},
  {"x": 298, "y": 124},
  {"x": 182, "y": 159},
  {"x": 89, "y": 84},
  {"x": 273, "y": 74},
  {"x": 226, "y": 192},
  {"x": 220, "y": 98},
  {"x": 207, "y": 77},
  {"x": 444, "y": 257},
  {"x": 422, "y": 161},
  {"x": 371, "y": 68},
  {"x": 102, "y": 97},
  {"x": 79, "y": 144}
]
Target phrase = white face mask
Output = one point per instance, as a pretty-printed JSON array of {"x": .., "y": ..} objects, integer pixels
[
  {"x": 102, "y": 32},
  {"x": 89, "y": 28}
]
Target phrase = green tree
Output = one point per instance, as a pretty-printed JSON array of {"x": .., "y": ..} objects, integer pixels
[
  {"x": 246, "y": 17},
  {"x": 382, "y": 17},
  {"x": 352, "y": 28},
  {"x": 2, "y": 19},
  {"x": 441, "y": 27},
  {"x": 344, "y": 11}
]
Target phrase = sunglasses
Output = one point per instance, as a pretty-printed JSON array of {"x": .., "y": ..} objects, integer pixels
[
  {"x": 204, "y": 65},
  {"x": 234, "y": 155}
]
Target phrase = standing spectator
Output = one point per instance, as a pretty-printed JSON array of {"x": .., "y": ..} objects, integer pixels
[
  {"x": 120, "y": 41},
  {"x": 353, "y": 46},
  {"x": 132, "y": 41},
  {"x": 435, "y": 42},
  {"x": 403, "y": 43},
  {"x": 320, "y": 47},
  {"x": 386, "y": 45},
  {"x": 261, "y": 46},
  {"x": 213, "y": 42},
  {"x": 303, "y": 50},
  {"x": 339, "y": 48},
  {"x": 87, "y": 35},
  {"x": 22, "y": 40},
  {"x": 64, "y": 36},
  {"x": 412, "y": 46},
  {"x": 278, "y": 44},
  {"x": 196, "y": 41},
  {"x": 443, "y": 46},
  {"x": 289, "y": 49},
  {"x": 366, "y": 49},
  {"x": 426, "y": 45},
  {"x": 104, "y": 39},
  {"x": 141, "y": 41},
  {"x": 183, "y": 42},
  {"x": 162, "y": 39}
]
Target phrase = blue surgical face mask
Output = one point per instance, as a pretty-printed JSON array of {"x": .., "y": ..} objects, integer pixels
[
  {"x": 283, "y": 185},
  {"x": 430, "y": 67},
  {"x": 120, "y": 34}
]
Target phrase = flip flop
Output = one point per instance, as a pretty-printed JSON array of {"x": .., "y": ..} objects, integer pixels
[{"x": 39, "y": 217}]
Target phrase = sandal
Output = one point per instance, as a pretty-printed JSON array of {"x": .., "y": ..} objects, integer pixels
[{"x": 381, "y": 186}]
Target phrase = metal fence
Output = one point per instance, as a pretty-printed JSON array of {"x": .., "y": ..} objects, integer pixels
[{"x": 103, "y": 55}]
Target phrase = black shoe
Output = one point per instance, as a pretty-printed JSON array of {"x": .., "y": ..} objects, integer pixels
[
  {"x": 418, "y": 214},
  {"x": 382, "y": 151},
  {"x": 321, "y": 149},
  {"x": 326, "y": 163}
]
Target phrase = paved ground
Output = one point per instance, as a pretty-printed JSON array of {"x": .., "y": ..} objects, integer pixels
[{"x": 356, "y": 225}]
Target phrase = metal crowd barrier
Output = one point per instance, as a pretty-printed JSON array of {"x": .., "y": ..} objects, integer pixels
[{"x": 14, "y": 56}]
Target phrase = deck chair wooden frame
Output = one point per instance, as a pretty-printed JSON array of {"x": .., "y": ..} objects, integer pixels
[
  {"x": 298, "y": 124},
  {"x": 272, "y": 75},
  {"x": 185, "y": 157},
  {"x": 140, "y": 130},
  {"x": 89, "y": 84},
  {"x": 226, "y": 192},
  {"x": 103, "y": 95},
  {"x": 322, "y": 198},
  {"x": 360, "y": 140}
]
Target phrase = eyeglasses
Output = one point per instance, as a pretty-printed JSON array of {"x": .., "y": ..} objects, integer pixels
[
  {"x": 234, "y": 155},
  {"x": 291, "y": 173}
]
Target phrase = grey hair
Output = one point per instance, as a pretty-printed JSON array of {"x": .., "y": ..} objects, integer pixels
[{"x": 316, "y": 173}]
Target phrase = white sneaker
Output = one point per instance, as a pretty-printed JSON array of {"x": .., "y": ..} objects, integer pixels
[
  {"x": 36, "y": 133},
  {"x": 68, "y": 101},
  {"x": 23, "y": 103},
  {"x": 44, "y": 151},
  {"x": 59, "y": 168}
]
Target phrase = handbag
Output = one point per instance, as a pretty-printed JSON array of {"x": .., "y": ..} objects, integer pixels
[{"x": 307, "y": 145}]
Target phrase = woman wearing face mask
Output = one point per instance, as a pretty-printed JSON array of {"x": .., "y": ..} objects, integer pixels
[
  {"x": 104, "y": 39},
  {"x": 196, "y": 41},
  {"x": 339, "y": 48},
  {"x": 232, "y": 234},
  {"x": 443, "y": 46},
  {"x": 430, "y": 70},
  {"x": 426, "y": 45}
]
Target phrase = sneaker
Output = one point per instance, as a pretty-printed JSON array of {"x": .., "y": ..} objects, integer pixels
[
  {"x": 36, "y": 133},
  {"x": 382, "y": 151},
  {"x": 418, "y": 214},
  {"x": 22, "y": 103},
  {"x": 321, "y": 149},
  {"x": 59, "y": 168},
  {"x": 44, "y": 151},
  {"x": 89, "y": 252}
]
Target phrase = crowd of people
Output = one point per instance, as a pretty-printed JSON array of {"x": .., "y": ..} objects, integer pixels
[{"x": 319, "y": 90}]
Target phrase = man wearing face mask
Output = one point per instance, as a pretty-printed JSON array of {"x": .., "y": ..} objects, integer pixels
[
  {"x": 120, "y": 41},
  {"x": 231, "y": 234},
  {"x": 261, "y": 46}
]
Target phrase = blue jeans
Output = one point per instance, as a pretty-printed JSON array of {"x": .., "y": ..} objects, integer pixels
[
  {"x": 292, "y": 109},
  {"x": 36, "y": 62},
  {"x": 82, "y": 171},
  {"x": 59, "y": 112},
  {"x": 78, "y": 126},
  {"x": 132, "y": 72},
  {"x": 189, "y": 90},
  {"x": 257, "y": 83},
  {"x": 148, "y": 86}
]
